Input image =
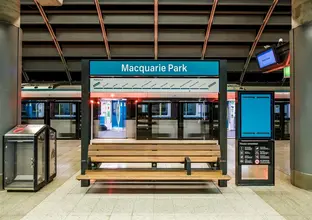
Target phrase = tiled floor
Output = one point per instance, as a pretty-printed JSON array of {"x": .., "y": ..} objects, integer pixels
[{"x": 65, "y": 199}]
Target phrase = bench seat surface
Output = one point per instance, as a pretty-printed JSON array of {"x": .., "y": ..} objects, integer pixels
[
  {"x": 148, "y": 159},
  {"x": 144, "y": 175}
]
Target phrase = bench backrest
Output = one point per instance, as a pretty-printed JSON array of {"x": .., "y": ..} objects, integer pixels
[{"x": 153, "y": 150}]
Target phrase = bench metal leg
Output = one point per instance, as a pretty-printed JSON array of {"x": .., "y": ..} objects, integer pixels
[
  {"x": 85, "y": 183},
  {"x": 222, "y": 183},
  {"x": 154, "y": 165},
  {"x": 89, "y": 163},
  {"x": 187, "y": 166}
]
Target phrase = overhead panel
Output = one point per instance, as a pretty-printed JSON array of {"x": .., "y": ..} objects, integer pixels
[{"x": 166, "y": 85}]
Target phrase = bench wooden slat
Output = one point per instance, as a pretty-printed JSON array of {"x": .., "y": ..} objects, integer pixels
[
  {"x": 159, "y": 142},
  {"x": 144, "y": 159},
  {"x": 152, "y": 175},
  {"x": 153, "y": 153},
  {"x": 154, "y": 147}
]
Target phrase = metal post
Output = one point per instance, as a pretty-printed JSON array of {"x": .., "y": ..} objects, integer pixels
[
  {"x": 85, "y": 120},
  {"x": 223, "y": 119}
]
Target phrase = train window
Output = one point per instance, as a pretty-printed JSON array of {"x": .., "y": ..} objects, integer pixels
[
  {"x": 195, "y": 110},
  {"x": 32, "y": 110},
  {"x": 63, "y": 110},
  {"x": 161, "y": 110}
]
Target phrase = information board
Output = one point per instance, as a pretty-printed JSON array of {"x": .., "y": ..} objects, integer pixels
[
  {"x": 266, "y": 58},
  {"x": 255, "y": 153},
  {"x": 256, "y": 114},
  {"x": 154, "y": 68}
]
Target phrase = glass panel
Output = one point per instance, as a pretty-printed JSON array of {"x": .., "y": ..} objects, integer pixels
[
  {"x": 33, "y": 121},
  {"x": 63, "y": 119},
  {"x": 277, "y": 121},
  {"x": 195, "y": 121},
  {"x": 161, "y": 110},
  {"x": 63, "y": 110},
  {"x": 65, "y": 128},
  {"x": 32, "y": 110},
  {"x": 52, "y": 153},
  {"x": 231, "y": 119},
  {"x": 110, "y": 118},
  {"x": 215, "y": 119},
  {"x": 287, "y": 120},
  {"x": 163, "y": 127},
  {"x": 41, "y": 159},
  {"x": 143, "y": 123},
  {"x": 19, "y": 165}
]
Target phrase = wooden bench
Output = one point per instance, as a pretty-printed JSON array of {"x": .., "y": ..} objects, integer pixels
[{"x": 154, "y": 153}]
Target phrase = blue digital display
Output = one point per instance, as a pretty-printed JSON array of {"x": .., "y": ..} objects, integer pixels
[
  {"x": 256, "y": 115},
  {"x": 266, "y": 58},
  {"x": 154, "y": 68}
]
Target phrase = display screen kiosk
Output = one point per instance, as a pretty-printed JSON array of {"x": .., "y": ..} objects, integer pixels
[
  {"x": 98, "y": 76},
  {"x": 254, "y": 138}
]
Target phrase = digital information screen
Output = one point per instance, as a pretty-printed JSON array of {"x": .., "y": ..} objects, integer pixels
[
  {"x": 266, "y": 58},
  {"x": 256, "y": 115}
]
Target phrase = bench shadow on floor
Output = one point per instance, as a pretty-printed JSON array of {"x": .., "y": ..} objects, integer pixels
[{"x": 148, "y": 187}]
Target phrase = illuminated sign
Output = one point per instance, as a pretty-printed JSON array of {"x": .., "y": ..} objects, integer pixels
[
  {"x": 256, "y": 115},
  {"x": 154, "y": 68},
  {"x": 266, "y": 58},
  {"x": 286, "y": 72}
]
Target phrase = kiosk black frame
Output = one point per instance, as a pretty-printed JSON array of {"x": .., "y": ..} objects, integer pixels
[
  {"x": 264, "y": 142},
  {"x": 86, "y": 116}
]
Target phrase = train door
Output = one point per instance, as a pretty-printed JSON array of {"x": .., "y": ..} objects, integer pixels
[
  {"x": 197, "y": 122},
  {"x": 157, "y": 120},
  {"x": 177, "y": 119},
  {"x": 282, "y": 120}
]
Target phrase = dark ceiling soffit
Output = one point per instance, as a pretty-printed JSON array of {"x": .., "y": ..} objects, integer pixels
[
  {"x": 156, "y": 29},
  {"x": 56, "y": 43},
  {"x": 208, "y": 30},
  {"x": 166, "y": 2},
  {"x": 104, "y": 34},
  {"x": 254, "y": 45}
]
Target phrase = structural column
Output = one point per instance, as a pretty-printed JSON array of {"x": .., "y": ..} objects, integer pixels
[
  {"x": 10, "y": 70},
  {"x": 301, "y": 94}
]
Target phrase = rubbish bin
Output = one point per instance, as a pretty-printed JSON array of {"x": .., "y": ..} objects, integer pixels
[{"x": 29, "y": 157}]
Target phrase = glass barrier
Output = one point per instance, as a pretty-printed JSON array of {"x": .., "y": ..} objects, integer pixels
[
  {"x": 32, "y": 110},
  {"x": 19, "y": 175},
  {"x": 66, "y": 128},
  {"x": 41, "y": 157}
]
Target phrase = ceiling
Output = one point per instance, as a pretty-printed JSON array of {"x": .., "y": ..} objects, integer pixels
[{"x": 129, "y": 25}]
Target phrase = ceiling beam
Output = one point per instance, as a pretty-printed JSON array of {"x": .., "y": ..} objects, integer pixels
[
  {"x": 156, "y": 29},
  {"x": 56, "y": 43},
  {"x": 255, "y": 43},
  {"x": 208, "y": 30},
  {"x": 104, "y": 34},
  {"x": 26, "y": 77}
]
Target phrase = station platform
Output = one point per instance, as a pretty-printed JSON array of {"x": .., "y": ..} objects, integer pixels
[{"x": 65, "y": 199}]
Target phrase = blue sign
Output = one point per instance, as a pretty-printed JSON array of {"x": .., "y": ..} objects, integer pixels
[
  {"x": 266, "y": 58},
  {"x": 154, "y": 68},
  {"x": 256, "y": 115}
]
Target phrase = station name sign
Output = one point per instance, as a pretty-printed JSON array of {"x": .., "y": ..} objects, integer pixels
[
  {"x": 159, "y": 68},
  {"x": 154, "y": 68}
]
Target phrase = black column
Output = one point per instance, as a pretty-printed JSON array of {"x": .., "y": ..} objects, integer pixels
[{"x": 85, "y": 120}]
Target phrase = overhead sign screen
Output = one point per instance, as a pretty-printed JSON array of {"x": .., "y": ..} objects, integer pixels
[
  {"x": 256, "y": 115},
  {"x": 154, "y": 68},
  {"x": 266, "y": 58}
]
